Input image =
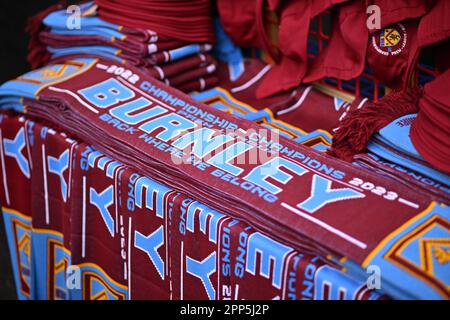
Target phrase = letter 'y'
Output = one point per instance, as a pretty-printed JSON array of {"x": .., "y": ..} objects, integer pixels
[{"x": 322, "y": 194}]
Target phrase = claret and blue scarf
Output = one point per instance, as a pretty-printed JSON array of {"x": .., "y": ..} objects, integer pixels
[{"x": 111, "y": 170}]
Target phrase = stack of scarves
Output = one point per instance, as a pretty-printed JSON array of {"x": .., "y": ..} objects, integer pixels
[
  {"x": 394, "y": 150},
  {"x": 68, "y": 206},
  {"x": 430, "y": 132},
  {"x": 298, "y": 196},
  {"x": 181, "y": 63},
  {"x": 415, "y": 147},
  {"x": 391, "y": 152},
  {"x": 177, "y": 19}
]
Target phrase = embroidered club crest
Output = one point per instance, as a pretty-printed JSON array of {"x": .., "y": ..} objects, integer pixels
[{"x": 391, "y": 40}]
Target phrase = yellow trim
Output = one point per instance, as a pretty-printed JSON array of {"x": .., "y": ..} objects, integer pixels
[
  {"x": 48, "y": 231},
  {"x": 330, "y": 91},
  {"x": 90, "y": 11},
  {"x": 429, "y": 245},
  {"x": 10, "y": 210},
  {"x": 52, "y": 265},
  {"x": 68, "y": 78},
  {"x": 421, "y": 268},
  {"x": 396, "y": 232},
  {"x": 343, "y": 259},
  {"x": 400, "y": 248},
  {"x": 90, "y": 264}
]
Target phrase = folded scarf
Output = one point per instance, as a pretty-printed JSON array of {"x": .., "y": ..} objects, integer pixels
[
  {"x": 431, "y": 130},
  {"x": 170, "y": 70},
  {"x": 412, "y": 178},
  {"x": 297, "y": 206},
  {"x": 142, "y": 48},
  {"x": 305, "y": 114},
  {"x": 65, "y": 38},
  {"x": 182, "y": 20},
  {"x": 77, "y": 211}
]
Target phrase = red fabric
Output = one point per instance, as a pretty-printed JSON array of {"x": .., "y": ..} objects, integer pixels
[
  {"x": 430, "y": 131},
  {"x": 295, "y": 17},
  {"x": 435, "y": 26},
  {"x": 242, "y": 20},
  {"x": 392, "y": 51},
  {"x": 271, "y": 217},
  {"x": 394, "y": 11},
  {"x": 170, "y": 70},
  {"x": 114, "y": 263},
  {"x": 357, "y": 128},
  {"x": 238, "y": 19},
  {"x": 182, "y": 20},
  {"x": 317, "y": 111},
  {"x": 37, "y": 53},
  {"x": 344, "y": 57}
]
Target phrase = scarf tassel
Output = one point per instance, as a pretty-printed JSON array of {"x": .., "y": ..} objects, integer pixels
[{"x": 357, "y": 128}]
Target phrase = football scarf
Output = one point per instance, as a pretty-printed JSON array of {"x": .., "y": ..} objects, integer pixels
[
  {"x": 64, "y": 38},
  {"x": 182, "y": 20},
  {"x": 431, "y": 129},
  {"x": 143, "y": 123},
  {"x": 437, "y": 189},
  {"x": 356, "y": 130},
  {"x": 80, "y": 212},
  {"x": 56, "y": 18},
  {"x": 164, "y": 58},
  {"x": 170, "y": 70},
  {"x": 199, "y": 84},
  {"x": 306, "y": 115},
  {"x": 119, "y": 55},
  {"x": 393, "y": 142}
]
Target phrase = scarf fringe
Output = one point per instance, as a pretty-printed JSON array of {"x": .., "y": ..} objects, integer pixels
[{"x": 357, "y": 128}]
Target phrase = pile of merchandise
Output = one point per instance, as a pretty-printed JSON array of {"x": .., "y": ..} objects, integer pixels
[
  {"x": 178, "y": 60},
  {"x": 208, "y": 168}
]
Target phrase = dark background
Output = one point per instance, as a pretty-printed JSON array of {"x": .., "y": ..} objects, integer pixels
[
  {"x": 14, "y": 40},
  {"x": 13, "y": 51}
]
